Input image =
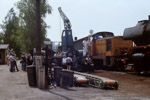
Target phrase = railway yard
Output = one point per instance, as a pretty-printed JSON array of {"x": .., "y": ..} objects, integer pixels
[
  {"x": 102, "y": 65},
  {"x": 14, "y": 86}
]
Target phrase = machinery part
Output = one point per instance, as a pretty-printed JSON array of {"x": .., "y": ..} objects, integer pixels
[
  {"x": 103, "y": 84},
  {"x": 67, "y": 39},
  {"x": 117, "y": 63},
  {"x": 80, "y": 79},
  {"x": 141, "y": 59},
  {"x": 99, "y": 82},
  {"x": 138, "y": 60}
]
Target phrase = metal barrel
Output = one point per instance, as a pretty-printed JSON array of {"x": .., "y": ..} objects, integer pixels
[
  {"x": 67, "y": 79},
  {"x": 57, "y": 75},
  {"x": 31, "y": 73}
]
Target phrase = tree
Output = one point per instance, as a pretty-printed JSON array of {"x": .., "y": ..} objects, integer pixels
[
  {"x": 19, "y": 30},
  {"x": 27, "y": 15},
  {"x": 9, "y": 34}
]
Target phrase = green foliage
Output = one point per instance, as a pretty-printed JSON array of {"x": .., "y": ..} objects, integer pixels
[
  {"x": 27, "y": 15},
  {"x": 19, "y": 31},
  {"x": 9, "y": 34}
]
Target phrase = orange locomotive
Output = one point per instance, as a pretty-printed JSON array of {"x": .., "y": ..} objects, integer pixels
[{"x": 109, "y": 50}]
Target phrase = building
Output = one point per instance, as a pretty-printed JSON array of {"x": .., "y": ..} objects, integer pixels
[{"x": 4, "y": 48}]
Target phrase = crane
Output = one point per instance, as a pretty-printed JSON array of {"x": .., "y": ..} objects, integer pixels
[{"x": 66, "y": 38}]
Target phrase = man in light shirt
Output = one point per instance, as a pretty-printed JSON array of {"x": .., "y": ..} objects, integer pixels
[
  {"x": 12, "y": 60},
  {"x": 64, "y": 62},
  {"x": 69, "y": 62}
]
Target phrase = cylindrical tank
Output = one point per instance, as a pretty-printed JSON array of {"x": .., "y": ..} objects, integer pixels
[
  {"x": 31, "y": 73},
  {"x": 57, "y": 75},
  {"x": 67, "y": 79},
  {"x": 140, "y": 34}
]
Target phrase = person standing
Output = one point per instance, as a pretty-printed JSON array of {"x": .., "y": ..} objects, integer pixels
[
  {"x": 29, "y": 59},
  {"x": 69, "y": 62},
  {"x": 89, "y": 64},
  {"x": 11, "y": 62},
  {"x": 8, "y": 60},
  {"x": 75, "y": 63},
  {"x": 69, "y": 53},
  {"x": 15, "y": 62},
  {"x": 23, "y": 61},
  {"x": 64, "y": 62}
]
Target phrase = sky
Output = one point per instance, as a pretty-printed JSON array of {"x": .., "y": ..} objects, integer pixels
[{"x": 84, "y": 15}]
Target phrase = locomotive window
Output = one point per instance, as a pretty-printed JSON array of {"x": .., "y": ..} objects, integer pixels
[
  {"x": 108, "y": 44},
  {"x": 99, "y": 37}
]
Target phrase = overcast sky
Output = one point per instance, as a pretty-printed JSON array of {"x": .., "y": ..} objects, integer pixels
[{"x": 99, "y": 15}]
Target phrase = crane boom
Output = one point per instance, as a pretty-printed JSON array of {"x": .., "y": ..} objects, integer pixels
[
  {"x": 67, "y": 39},
  {"x": 67, "y": 24}
]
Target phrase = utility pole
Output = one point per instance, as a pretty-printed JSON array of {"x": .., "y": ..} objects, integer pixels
[
  {"x": 40, "y": 69},
  {"x": 38, "y": 28}
]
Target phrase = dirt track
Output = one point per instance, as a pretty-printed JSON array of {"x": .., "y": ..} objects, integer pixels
[{"x": 14, "y": 86}]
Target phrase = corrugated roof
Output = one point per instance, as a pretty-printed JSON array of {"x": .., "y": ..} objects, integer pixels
[{"x": 4, "y": 46}]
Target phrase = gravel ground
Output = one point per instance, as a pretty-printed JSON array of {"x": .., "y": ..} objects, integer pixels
[{"x": 14, "y": 86}]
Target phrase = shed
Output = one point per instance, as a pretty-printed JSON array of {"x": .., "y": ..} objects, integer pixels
[{"x": 3, "y": 53}]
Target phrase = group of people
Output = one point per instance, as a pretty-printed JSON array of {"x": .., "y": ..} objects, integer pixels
[
  {"x": 89, "y": 64},
  {"x": 26, "y": 59},
  {"x": 70, "y": 62},
  {"x": 12, "y": 61},
  {"x": 73, "y": 62}
]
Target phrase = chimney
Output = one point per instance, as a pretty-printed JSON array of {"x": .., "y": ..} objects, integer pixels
[{"x": 75, "y": 38}]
